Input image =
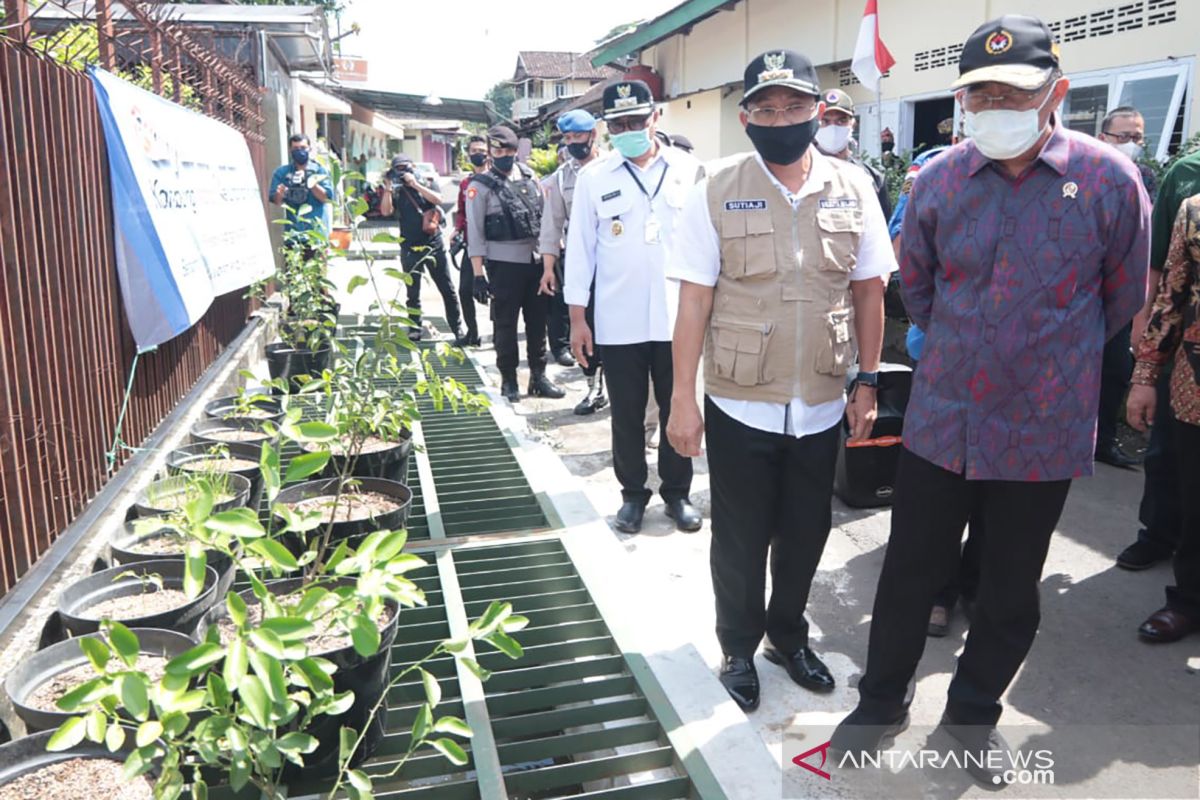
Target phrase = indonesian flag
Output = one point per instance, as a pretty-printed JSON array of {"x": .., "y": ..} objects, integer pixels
[{"x": 871, "y": 56}]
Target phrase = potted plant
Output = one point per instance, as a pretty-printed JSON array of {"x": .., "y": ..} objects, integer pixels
[
  {"x": 228, "y": 489},
  {"x": 166, "y": 593},
  {"x": 29, "y": 770},
  {"x": 231, "y": 431},
  {"x": 235, "y": 458}
]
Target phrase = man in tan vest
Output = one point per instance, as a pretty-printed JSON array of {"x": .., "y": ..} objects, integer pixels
[{"x": 782, "y": 259}]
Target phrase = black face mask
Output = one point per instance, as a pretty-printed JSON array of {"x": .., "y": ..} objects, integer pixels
[
  {"x": 580, "y": 150},
  {"x": 783, "y": 144},
  {"x": 504, "y": 164},
  {"x": 477, "y": 159}
]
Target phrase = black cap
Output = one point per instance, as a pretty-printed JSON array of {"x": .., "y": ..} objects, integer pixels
[
  {"x": 627, "y": 98},
  {"x": 682, "y": 142},
  {"x": 401, "y": 160},
  {"x": 1017, "y": 50},
  {"x": 500, "y": 136},
  {"x": 780, "y": 68}
]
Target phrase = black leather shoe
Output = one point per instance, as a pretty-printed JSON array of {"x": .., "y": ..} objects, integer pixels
[
  {"x": 803, "y": 667},
  {"x": 740, "y": 679},
  {"x": 510, "y": 389},
  {"x": 686, "y": 517},
  {"x": 629, "y": 517},
  {"x": 1141, "y": 555},
  {"x": 987, "y": 754},
  {"x": 461, "y": 339},
  {"x": 415, "y": 334},
  {"x": 592, "y": 402},
  {"x": 1114, "y": 456},
  {"x": 473, "y": 340},
  {"x": 1166, "y": 625},
  {"x": 540, "y": 386},
  {"x": 564, "y": 358},
  {"x": 861, "y": 732}
]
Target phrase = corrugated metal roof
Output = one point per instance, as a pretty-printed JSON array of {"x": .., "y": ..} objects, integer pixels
[{"x": 657, "y": 29}]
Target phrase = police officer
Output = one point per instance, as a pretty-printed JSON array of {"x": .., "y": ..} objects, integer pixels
[
  {"x": 409, "y": 199},
  {"x": 504, "y": 210},
  {"x": 578, "y": 128},
  {"x": 781, "y": 256},
  {"x": 622, "y": 229},
  {"x": 833, "y": 139}
]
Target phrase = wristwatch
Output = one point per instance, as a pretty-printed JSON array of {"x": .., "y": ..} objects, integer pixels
[{"x": 867, "y": 379}]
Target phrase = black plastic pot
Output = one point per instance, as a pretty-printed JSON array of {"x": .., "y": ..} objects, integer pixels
[
  {"x": 227, "y": 408},
  {"x": 367, "y": 677},
  {"x": 56, "y": 659},
  {"x": 28, "y": 754},
  {"x": 149, "y": 502},
  {"x": 120, "y": 545},
  {"x": 205, "y": 431},
  {"x": 390, "y": 464},
  {"x": 177, "y": 460},
  {"x": 287, "y": 362},
  {"x": 327, "y": 487},
  {"x": 104, "y": 585}
]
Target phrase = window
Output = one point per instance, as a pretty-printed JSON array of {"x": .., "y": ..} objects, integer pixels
[
  {"x": 1085, "y": 107},
  {"x": 560, "y": 89}
]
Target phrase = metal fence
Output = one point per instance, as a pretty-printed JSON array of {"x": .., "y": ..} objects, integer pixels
[{"x": 65, "y": 346}]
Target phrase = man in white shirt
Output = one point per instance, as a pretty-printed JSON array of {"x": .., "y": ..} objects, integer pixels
[
  {"x": 621, "y": 231},
  {"x": 782, "y": 257}
]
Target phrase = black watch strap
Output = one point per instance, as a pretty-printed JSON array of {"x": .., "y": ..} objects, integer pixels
[{"x": 867, "y": 378}]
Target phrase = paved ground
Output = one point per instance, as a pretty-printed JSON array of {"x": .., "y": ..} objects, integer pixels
[{"x": 1087, "y": 678}]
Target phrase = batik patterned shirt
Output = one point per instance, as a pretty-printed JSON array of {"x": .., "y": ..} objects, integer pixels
[
  {"x": 1173, "y": 331},
  {"x": 1018, "y": 283}
]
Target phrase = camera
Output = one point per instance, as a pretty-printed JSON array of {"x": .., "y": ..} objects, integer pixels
[{"x": 297, "y": 189}]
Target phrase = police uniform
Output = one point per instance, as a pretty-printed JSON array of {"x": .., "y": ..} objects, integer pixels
[
  {"x": 503, "y": 223},
  {"x": 621, "y": 232},
  {"x": 560, "y": 191},
  {"x": 778, "y": 345}
]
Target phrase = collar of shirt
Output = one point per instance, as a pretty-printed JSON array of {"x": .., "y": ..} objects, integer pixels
[
  {"x": 1056, "y": 152},
  {"x": 819, "y": 174}
]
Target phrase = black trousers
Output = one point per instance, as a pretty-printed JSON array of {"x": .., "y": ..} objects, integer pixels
[
  {"x": 431, "y": 259},
  {"x": 595, "y": 361},
  {"x": 931, "y": 507},
  {"x": 965, "y": 583},
  {"x": 771, "y": 496},
  {"x": 628, "y": 369},
  {"x": 466, "y": 288},
  {"x": 515, "y": 294},
  {"x": 1160, "y": 513},
  {"x": 558, "y": 319},
  {"x": 1184, "y": 596},
  {"x": 1115, "y": 371}
]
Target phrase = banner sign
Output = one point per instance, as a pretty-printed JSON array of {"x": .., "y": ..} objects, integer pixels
[{"x": 189, "y": 222}]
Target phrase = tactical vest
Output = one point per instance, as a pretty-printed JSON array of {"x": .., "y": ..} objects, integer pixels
[
  {"x": 520, "y": 214},
  {"x": 782, "y": 320}
]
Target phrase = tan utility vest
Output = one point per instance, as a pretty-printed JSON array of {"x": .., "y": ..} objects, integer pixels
[{"x": 782, "y": 322}]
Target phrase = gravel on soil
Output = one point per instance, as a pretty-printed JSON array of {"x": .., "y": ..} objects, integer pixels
[
  {"x": 236, "y": 435},
  {"x": 158, "y": 544},
  {"x": 75, "y": 778},
  {"x": 329, "y": 635},
  {"x": 372, "y": 444},
  {"x": 218, "y": 464},
  {"x": 133, "y": 606},
  {"x": 45, "y": 696},
  {"x": 351, "y": 506},
  {"x": 176, "y": 501}
]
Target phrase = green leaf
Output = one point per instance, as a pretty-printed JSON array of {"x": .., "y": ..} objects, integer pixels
[
  {"x": 189, "y": 663},
  {"x": 316, "y": 432},
  {"x": 514, "y": 623},
  {"x": 125, "y": 642},
  {"x": 476, "y": 669},
  {"x": 364, "y": 633},
  {"x": 317, "y": 679},
  {"x": 84, "y": 695},
  {"x": 268, "y": 464},
  {"x": 238, "y": 522},
  {"x": 355, "y": 282},
  {"x": 492, "y": 617},
  {"x": 254, "y": 696},
  {"x": 505, "y": 644},
  {"x": 451, "y": 750},
  {"x": 134, "y": 696},
  {"x": 296, "y": 742},
  {"x": 273, "y": 553},
  {"x": 237, "y": 609},
  {"x": 97, "y": 725},
  {"x": 306, "y": 464},
  {"x": 96, "y": 651},
  {"x": 391, "y": 545},
  {"x": 148, "y": 732},
  {"x": 141, "y": 761},
  {"x": 289, "y": 629},
  {"x": 269, "y": 643},
  {"x": 453, "y": 725},
  {"x": 347, "y": 738},
  {"x": 201, "y": 505},
  {"x": 69, "y": 734},
  {"x": 455, "y": 645},
  {"x": 423, "y": 723},
  {"x": 114, "y": 739},
  {"x": 270, "y": 673},
  {"x": 194, "y": 570},
  {"x": 199, "y": 790},
  {"x": 360, "y": 781},
  {"x": 236, "y": 663},
  {"x": 433, "y": 690}
]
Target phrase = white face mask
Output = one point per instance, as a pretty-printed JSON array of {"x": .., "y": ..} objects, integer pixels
[
  {"x": 833, "y": 138},
  {"x": 1131, "y": 149},
  {"x": 1001, "y": 134}
]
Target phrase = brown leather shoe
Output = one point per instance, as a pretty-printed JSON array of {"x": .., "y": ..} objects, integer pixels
[{"x": 1166, "y": 625}]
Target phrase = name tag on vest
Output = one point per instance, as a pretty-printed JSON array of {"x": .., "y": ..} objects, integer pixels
[
  {"x": 610, "y": 196},
  {"x": 745, "y": 205},
  {"x": 838, "y": 202}
]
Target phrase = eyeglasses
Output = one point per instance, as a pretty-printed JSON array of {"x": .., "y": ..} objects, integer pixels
[
  {"x": 622, "y": 124},
  {"x": 975, "y": 99},
  {"x": 1124, "y": 138},
  {"x": 767, "y": 116}
]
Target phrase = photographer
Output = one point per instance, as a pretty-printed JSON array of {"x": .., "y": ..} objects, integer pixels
[
  {"x": 417, "y": 209},
  {"x": 303, "y": 188}
]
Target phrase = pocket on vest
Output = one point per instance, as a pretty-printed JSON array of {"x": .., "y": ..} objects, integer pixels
[
  {"x": 836, "y": 349},
  {"x": 841, "y": 229},
  {"x": 747, "y": 244},
  {"x": 740, "y": 350}
]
